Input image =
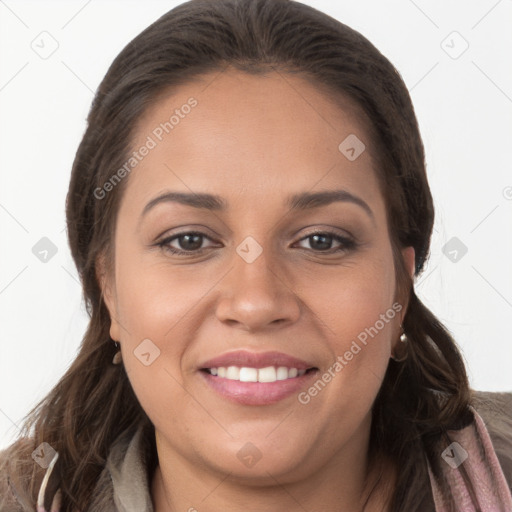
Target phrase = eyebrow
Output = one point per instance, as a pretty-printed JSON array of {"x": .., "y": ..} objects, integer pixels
[{"x": 301, "y": 201}]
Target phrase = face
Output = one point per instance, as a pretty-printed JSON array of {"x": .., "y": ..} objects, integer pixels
[{"x": 287, "y": 273}]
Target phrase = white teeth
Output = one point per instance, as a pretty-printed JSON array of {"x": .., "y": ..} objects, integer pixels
[
  {"x": 267, "y": 374},
  {"x": 233, "y": 373},
  {"x": 282, "y": 373},
  {"x": 246, "y": 374}
]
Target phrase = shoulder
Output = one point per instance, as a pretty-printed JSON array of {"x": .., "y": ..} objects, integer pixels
[
  {"x": 8, "y": 500},
  {"x": 495, "y": 409},
  {"x": 17, "y": 473}
]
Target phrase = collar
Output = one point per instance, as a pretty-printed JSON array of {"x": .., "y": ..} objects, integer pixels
[
  {"x": 123, "y": 484},
  {"x": 127, "y": 465}
]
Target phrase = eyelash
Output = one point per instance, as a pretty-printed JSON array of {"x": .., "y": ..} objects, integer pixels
[{"x": 347, "y": 244}]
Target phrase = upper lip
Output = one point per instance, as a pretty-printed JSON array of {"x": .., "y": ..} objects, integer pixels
[{"x": 250, "y": 359}]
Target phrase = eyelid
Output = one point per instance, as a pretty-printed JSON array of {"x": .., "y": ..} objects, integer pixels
[
  {"x": 328, "y": 231},
  {"x": 185, "y": 230}
]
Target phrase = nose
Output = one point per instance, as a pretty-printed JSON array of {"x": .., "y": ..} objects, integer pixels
[{"x": 256, "y": 296}]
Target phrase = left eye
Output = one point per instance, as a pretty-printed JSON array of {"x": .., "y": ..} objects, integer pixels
[{"x": 322, "y": 241}]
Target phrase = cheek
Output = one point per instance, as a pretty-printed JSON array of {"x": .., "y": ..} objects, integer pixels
[
  {"x": 153, "y": 300},
  {"x": 161, "y": 309},
  {"x": 358, "y": 313},
  {"x": 155, "y": 308},
  {"x": 352, "y": 298}
]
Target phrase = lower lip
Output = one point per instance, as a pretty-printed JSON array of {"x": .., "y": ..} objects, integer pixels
[{"x": 257, "y": 393}]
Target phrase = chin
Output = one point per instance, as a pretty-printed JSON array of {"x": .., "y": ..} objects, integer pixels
[{"x": 261, "y": 463}]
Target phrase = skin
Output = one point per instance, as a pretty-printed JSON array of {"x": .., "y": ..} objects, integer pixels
[{"x": 254, "y": 140}]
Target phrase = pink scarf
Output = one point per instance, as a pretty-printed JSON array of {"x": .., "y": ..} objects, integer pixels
[{"x": 471, "y": 448}]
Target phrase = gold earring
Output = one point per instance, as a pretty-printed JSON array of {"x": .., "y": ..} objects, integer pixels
[{"x": 117, "y": 356}]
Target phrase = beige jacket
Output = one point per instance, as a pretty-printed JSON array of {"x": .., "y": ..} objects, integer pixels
[{"x": 483, "y": 448}]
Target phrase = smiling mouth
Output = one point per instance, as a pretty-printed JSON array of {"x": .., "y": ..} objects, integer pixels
[{"x": 268, "y": 374}]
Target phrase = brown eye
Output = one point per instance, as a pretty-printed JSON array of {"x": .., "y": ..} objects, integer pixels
[
  {"x": 323, "y": 241},
  {"x": 185, "y": 243}
]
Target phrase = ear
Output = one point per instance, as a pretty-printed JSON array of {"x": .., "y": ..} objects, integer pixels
[
  {"x": 409, "y": 258},
  {"x": 108, "y": 295},
  {"x": 408, "y": 255}
]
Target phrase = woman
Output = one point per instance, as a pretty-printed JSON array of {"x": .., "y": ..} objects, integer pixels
[{"x": 248, "y": 210}]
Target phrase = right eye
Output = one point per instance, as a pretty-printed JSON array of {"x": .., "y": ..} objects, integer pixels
[{"x": 189, "y": 242}]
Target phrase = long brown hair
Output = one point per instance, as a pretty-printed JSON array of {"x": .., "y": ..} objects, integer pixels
[{"x": 94, "y": 402}]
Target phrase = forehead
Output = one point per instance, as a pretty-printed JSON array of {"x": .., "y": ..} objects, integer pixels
[{"x": 253, "y": 137}]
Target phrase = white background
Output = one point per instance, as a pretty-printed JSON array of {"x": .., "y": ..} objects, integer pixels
[{"x": 464, "y": 108}]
